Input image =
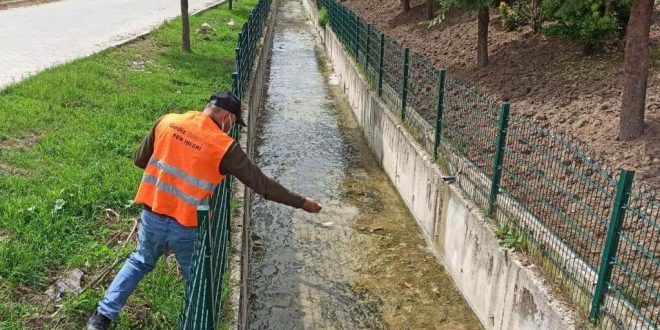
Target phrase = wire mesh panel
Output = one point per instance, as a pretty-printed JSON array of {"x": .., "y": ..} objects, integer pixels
[
  {"x": 392, "y": 74},
  {"x": 344, "y": 24},
  {"x": 352, "y": 28},
  {"x": 361, "y": 41},
  {"x": 559, "y": 197},
  {"x": 246, "y": 47},
  {"x": 469, "y": 128},
  {"x": 202, "y": 302},
  {"x": 422, "y": 100},
  {"x": 372, "y": 54},
  {"x": 634, "y": 289}
]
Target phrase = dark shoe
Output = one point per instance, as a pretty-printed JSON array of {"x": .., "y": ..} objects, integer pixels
[{"x": 98, "y": 322}]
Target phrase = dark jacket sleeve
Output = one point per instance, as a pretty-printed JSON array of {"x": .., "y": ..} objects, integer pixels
[
  {"x": 146, "y": 148},
  {"x": 236, "y": 163}
]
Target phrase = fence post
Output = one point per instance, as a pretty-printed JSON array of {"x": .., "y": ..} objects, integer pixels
[
  {"x": 611, "y": 242},
  {"x": 440, "y": 104},
  {"x": 497, "y": 161},
  {"x": 380, "y": 65},
  {"x": 404, "y": 89}
]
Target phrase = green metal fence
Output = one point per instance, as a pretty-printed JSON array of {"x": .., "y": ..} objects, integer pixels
[
  {"x": 202, "y": 302},
  {"x": 593, "y": 230}
]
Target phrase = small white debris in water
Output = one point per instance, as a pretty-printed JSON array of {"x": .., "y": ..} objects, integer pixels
[{"x": 327, "y": 224}]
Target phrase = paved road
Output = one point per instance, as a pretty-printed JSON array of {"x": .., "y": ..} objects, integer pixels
[{"x": 38, "y": 37}]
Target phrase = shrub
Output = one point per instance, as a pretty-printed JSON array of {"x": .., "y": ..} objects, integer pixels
[
  {"x": 323, "y": 17},
  {"x": 516, "y": 15},
  {"x": 587, "y": 21}
]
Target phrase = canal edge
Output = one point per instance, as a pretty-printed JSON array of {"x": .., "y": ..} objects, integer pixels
[{"x": 253, "y": 103}]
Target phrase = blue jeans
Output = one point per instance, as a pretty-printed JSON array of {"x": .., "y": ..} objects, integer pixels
[{"x": 157, "y": 234}]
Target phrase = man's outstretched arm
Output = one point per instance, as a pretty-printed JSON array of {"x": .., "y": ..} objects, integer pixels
[{"x": 239, "y": 165}]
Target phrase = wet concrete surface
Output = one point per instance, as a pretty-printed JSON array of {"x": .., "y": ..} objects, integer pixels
[{"x": 360, "y": 264}]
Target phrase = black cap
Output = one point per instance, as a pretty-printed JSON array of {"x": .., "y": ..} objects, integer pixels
[{"x": 229, "y": 102}]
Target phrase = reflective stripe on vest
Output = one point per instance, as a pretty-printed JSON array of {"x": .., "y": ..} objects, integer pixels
[
  {"x": 197, "y": 182},
  {"x": 170, "y": 189}
]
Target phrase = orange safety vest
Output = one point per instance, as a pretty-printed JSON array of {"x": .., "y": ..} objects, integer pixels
[{"x": 184, "y": 169}]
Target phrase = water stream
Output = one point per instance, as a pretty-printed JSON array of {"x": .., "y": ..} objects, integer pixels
[{"x": 362, "y": 262}]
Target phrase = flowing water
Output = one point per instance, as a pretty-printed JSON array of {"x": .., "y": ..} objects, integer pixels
[{"x": 362, "y": 262}]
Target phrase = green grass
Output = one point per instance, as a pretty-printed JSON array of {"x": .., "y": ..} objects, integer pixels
[
  {"x": 69, "y": 134},
  {"x": 323, "y": 17},
  {"x": 509, "y": 237}
]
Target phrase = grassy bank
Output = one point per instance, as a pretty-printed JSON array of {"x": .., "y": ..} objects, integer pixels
[{"x": 67, "y": 137}]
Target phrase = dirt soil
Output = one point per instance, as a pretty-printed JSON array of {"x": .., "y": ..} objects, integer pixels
[{"x": 548, "y": 81}]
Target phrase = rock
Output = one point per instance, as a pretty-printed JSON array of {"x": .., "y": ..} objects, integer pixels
[
  {"x": 434, "y": 288},
  {"x": 206, "y": 28},
  {"x": 69, "y": 283},
  {"x": 327, "y": 224},
  {"x": 170, "y": 261},
  {"x": 231, "y": 22},
  {"x": 136, "y": 66},
  {"x": 581, "y": 123},
  {"x": 111, "y": 214},
  {"x": 371, "y": 194}
]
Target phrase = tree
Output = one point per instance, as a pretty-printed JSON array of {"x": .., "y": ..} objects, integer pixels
[
  {"x": 536, "y": 18},
  {"x": 405, "y": 5},
  {"x": 185, "y": 34},
  {"x": 482, "y": 36},
  {"x": 483, "y": 7},
  {"x": 431, "y": 9},
  {"x": 636, "y": 71}
]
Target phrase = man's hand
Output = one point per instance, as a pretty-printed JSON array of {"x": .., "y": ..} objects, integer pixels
[{"x": 311, "y": 206}]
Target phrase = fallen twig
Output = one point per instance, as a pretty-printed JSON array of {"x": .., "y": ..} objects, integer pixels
[{"x": 104, "y": 272}]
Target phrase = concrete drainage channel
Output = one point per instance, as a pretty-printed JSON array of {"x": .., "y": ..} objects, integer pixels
[
  {"x": 503, "y": 292},
  {"x": 344, "y": 269}
]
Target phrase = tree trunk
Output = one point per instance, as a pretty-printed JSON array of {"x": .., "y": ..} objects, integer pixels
[
  {"x": 431, "y": 9},
  {"x": 636, "y": 71},
  {"x": 405, "y": 5},
  {"x": 537, "y": 15},
  {"x": 185, "y": 31},
  {"x": 608, "y": 7},
  {"x": 230, "y": 4},
  {"x": 482, "y": 37}
]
